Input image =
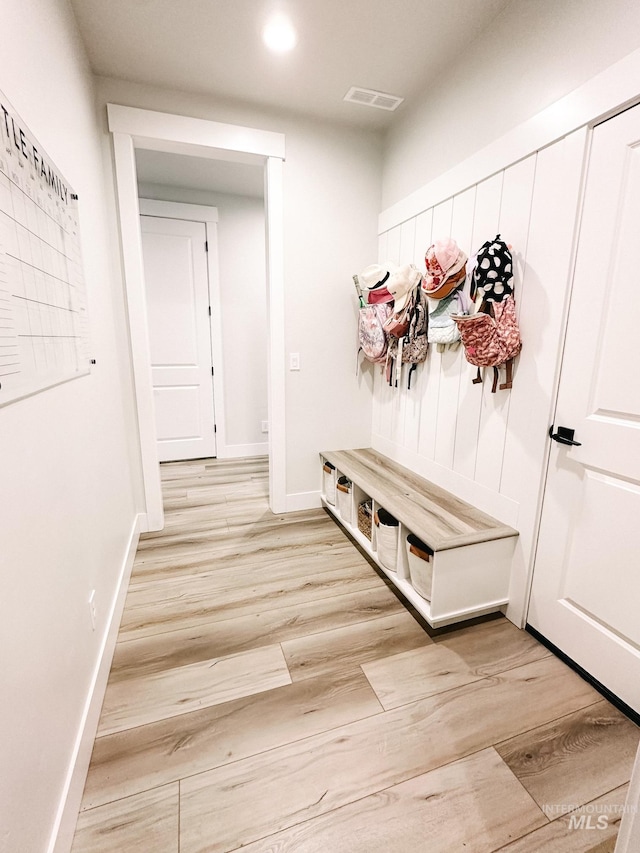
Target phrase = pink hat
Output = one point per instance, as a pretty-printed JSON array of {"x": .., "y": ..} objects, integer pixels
[
  {"x": 443, "y": 260},
  {"x": 378, "y": 294}
]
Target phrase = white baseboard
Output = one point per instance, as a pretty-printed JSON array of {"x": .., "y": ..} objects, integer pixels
[
  {"x": 65, "y": 824},
  {"x": 303, "y": 500},
  {"x": 237, "y": 451}
]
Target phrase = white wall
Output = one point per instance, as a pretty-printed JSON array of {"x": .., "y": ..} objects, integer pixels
[
  {"x": 241, "y": 259},
  {"x": 533, "y": 54},
  {"x": 331, "y": 202},
  {"x": 66, "y": 456}
]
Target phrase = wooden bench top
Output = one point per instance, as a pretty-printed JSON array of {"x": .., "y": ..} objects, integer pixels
[{"x": 434, "y": 515}]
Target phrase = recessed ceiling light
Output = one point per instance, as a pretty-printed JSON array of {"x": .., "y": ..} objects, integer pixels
[{"x": 279, "y": 34}]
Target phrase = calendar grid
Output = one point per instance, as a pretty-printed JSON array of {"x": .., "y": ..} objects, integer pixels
[{"x": 44, "y": 330}]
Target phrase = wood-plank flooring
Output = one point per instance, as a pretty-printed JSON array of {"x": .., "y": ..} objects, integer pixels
[{"x": 270, "y": 692}]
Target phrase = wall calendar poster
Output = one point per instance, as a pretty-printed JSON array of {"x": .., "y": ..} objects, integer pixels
[{"x": 44, "y": 334}]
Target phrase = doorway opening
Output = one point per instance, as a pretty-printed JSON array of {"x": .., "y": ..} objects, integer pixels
[
  {"x": 134, "y": 129},
  {"x": 203, "y": 240}
]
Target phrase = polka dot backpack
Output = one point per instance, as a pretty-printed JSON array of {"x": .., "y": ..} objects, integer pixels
[
  {"x": 492, "y": 277},
  {"x": 491, "y": 336}
]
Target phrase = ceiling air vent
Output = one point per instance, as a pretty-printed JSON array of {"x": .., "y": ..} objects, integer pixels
[{"x": 371, "y": 98}]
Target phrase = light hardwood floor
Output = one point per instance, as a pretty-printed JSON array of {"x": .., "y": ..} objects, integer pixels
[{"x": 270, "y": 692}]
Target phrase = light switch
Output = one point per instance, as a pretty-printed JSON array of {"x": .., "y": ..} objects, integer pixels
[{"x": 294, "y": 361}]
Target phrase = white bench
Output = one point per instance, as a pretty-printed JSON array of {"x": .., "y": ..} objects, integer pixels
[{"x": 472, "y": 551}]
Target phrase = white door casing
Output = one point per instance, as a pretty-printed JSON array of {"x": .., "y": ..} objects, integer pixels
[
  {"x": 586, "y": 583},
  {"x": 177, "y": 292},
  {"x": 130, "y": 128}
]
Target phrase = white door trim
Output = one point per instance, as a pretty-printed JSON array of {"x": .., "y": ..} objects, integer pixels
[
  {"x": 178, "y": 210},
  {"x": 275, "y": 320},
  {"x": 131, "y": 241},
  {"x": 179, "y": 134},
  {"x": 133, "y": 128},
  {"x": 208, "y": 215}
]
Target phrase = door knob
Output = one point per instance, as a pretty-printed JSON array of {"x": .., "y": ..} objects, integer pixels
[{"x": 564, "y": 436}]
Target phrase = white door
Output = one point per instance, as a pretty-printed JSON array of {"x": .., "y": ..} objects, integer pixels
[
  {"x": 177, "y": 288},
  {"x": 586, "y": 583}
]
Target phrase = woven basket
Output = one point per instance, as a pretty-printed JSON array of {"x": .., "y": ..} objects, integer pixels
[{"x": 364, "y": 518}]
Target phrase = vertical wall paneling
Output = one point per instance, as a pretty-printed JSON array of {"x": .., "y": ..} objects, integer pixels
[
  {"x": 399, "y": 398},
  {"x": 407, "y": 240},
  {"x": 491, "y": 449},
  {"x": 383, "y": 397},
  {"x": 399, "y": 394},
  {"x": 430, "y": 387},
  {"x": 542, "y": 304},
  {"x": 378, "y": 408},
  {"x": 375, "y": 412},
  {"x": 393, "y": 245},
  {"x": 413, "y": 408},
  {"x": 499, "y": 441},
  {"x": 415, "y": 395},
  {"x": 451, "y": 361},
  {"x": 441, "y": 228},
  {"x": 383, "y": 241},
  {"x": 442, "y": 216},
  {"x": 486, "y": 219},
  {"x": 398, "y": 406},
  {"x": 515, "y": 211},
  {"x": 383, "y": 255},
  {"x": 492, "y": 406},
  {"x": 424, "y": 228}
]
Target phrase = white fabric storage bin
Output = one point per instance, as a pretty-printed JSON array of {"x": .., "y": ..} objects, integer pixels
[
  {"x": 420, "y": 558},
  {"x": 343, "y": 498},
  {"x": 329, "y": 482},
  {"x": 387, "y": 528}
]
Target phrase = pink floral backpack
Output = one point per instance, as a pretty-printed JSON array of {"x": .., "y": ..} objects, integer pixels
[
  {"x": 491, "y": 337},
  {"x": 372, "y": 337}
]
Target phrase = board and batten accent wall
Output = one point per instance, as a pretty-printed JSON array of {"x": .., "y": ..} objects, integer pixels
[{"x": 492, "y": 449}]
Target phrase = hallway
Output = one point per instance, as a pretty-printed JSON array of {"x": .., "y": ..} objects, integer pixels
[{"x": 269, "y": 691}]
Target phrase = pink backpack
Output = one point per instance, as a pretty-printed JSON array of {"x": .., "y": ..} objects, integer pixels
[
  {"x": 491, "y": 338},
  {"x": 372, "y": 337}
]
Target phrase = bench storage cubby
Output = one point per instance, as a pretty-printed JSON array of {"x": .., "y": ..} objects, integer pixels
[{"x": 469, "y": 568}]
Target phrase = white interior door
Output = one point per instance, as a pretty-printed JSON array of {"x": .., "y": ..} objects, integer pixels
[
  {"x": 175, "y": 266},
  {"x": 586, "y": 585}
]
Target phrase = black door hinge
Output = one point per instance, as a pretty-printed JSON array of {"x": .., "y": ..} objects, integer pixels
[
  {"x": 212, "y": 370},
  {"x": 209, "y": 310},
  {"x": 206, "y": 245}
]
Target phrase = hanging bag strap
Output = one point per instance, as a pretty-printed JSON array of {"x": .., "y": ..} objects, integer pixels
[{"x": 509, "y": 377}]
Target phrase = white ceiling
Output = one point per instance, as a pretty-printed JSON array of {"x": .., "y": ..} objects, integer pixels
[{"x": 214, "y": 47}]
